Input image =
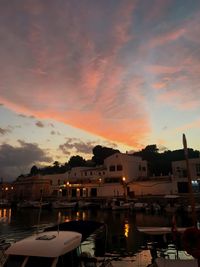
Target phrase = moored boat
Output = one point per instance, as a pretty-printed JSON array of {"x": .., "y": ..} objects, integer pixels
[
  {"x": 121, "y": 205},
  {"x": 59, "y": 245},
  {"x": 162, "y": 262},
  {"x": 45, "y": 249},
  {"x": 63, "y": 204}
]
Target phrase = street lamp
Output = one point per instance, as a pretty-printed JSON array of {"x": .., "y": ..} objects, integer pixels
[{"x": 124, "y": 186}]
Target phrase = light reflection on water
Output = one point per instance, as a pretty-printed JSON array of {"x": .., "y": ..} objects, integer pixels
[{"x": 122, "y": 235}]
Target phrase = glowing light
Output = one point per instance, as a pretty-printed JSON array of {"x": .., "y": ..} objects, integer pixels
[
  {"x": 126, "y": 229},
  {"x": 123, "y": 179}
]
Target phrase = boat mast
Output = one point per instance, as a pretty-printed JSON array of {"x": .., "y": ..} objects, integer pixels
[{"x": 191, "y": 195}]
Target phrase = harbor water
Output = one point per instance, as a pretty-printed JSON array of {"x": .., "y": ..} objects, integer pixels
[{"x": 123, "y": 236}]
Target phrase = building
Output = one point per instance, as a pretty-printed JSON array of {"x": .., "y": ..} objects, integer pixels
[
  {"x": 180, "y": 175},
  {"x": 6, "y": 190},
  {"x": 113, "y": 179},
  {"x": 121, "y": 175},
  {"x": 31, "y": 188}
]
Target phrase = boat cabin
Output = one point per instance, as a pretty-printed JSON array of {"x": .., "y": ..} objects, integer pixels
[{"x": 49, "y": 249}]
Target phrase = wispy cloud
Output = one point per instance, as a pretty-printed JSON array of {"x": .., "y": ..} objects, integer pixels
[{"x": 94, "y": 64}]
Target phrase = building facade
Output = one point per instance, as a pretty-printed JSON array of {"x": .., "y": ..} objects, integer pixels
[
  {"x": 180, "y": 175},
  {"x": 121, "y": 175}
]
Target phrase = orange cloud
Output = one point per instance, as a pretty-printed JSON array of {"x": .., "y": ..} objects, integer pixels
[
  {"x": 159, "y": 85},
  {"x": 75, "y": 75}
]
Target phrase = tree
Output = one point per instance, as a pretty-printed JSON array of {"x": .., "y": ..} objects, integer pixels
[
  {"x": 100, "y": 153},
  {"x": 56, "y": 164},
  {"x": 76, "y": 161},
  {"x": 34, "y": 170}
]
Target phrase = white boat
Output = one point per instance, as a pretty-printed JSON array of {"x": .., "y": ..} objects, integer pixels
[
  {"x": 4, "y": 203},
  {"x": 162, "y": 262},
  {"x": 39, "y": 204},
  {"x": 61, "y": 247},
  {"x": 45, "y": 249},
  {"x": 56, "y": 246},
  {"x": 189, "y": 208},
  {"x": 32, "y": 204},
  {"x": 63, "y": 204},
  {"x": 139, "y": 206},
  {"x": 84, "y": 204},
  {"x": 120, "y": 205},
  {"x": 159, "y": 230},
  {"x": 24, "y": 204},
  {"x": 169, "y": 256}
]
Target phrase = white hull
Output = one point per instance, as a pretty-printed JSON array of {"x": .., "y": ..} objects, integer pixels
[
  {"x": 63, "y": 205},
  {"x": 161, "y": 262},
  {"x": 159, "y": 230}
]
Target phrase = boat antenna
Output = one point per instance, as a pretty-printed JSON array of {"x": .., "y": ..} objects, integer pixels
[
  {"x": 40, "y": 210},
  {"x": 192, "y": 199},
  {"x": 59, "y": 219}
]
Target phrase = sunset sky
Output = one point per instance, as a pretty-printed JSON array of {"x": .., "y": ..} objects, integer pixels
[{"x": 77, "y": 73}]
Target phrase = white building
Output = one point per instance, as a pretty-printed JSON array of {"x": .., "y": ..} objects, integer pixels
[
  {"x": 121, "y": 175},
  {"x": 113, "y": 179},
  {"x": 125, "y": 165},
  {"x": 110, "y": 180},
  {"x": 180, "y": 175}
]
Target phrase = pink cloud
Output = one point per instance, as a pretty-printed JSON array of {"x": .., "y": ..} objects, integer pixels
[
  {"x": 161, "y": 69},
  {"x": 75, "y": 76},
  {"x": 166, "y": 37},
  {"x": 159, "y": 85},
  {"x": 179, "y": 99}
]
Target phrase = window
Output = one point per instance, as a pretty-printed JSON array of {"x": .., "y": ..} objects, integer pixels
[
  {"x": 119, "y": 167},
  {"x": 197, "y": 169},
  {"x": 39, "y": 261},
  {"x": 14, "y": 260},
  {"x": 85, "y": 173},
  {"x": 93, "y": 192},
  {"x": 183, "y": 187},
  {"x": 112, "y": 180},
  {"x": 112, "y": 168}
]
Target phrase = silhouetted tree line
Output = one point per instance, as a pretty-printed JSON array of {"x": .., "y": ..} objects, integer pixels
[
  {"x": 158, "y": 162},
  {"x": 161, "y": 163}
]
